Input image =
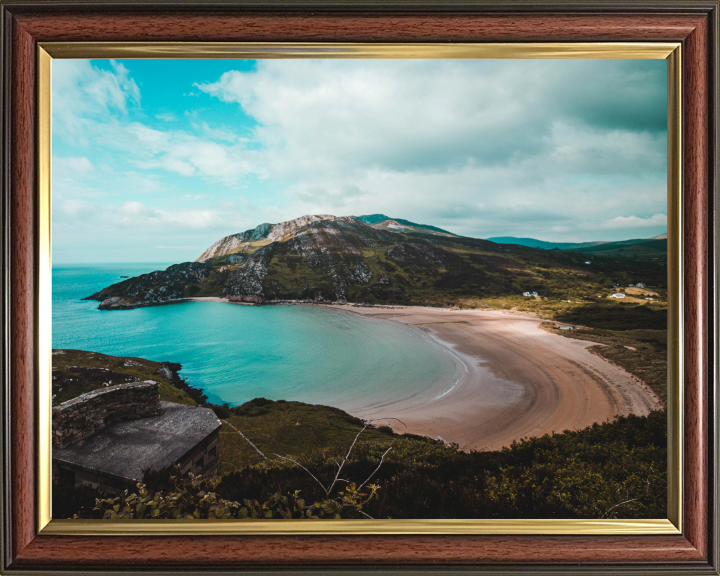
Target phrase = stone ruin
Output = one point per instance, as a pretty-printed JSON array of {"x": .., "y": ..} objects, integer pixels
[{"x": 81, "y": 417}]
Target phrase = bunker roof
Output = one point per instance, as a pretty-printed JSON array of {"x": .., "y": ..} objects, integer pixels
[{"x": 125, "y": 448}]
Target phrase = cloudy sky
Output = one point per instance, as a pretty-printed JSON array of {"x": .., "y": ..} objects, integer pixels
[{"x": 154, "y": 160}]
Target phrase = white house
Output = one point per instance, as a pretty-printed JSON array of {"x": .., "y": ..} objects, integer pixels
[
  {"x": 641, "y": 285},
  {"x": 618, "y": 295}
]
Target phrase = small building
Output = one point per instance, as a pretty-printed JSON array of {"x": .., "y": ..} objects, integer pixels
[
  {"x": 641, "y": 285},
  {"x": 618, "y": 295},
  {"x": 108, "y": 437},
  {"x": 587, "y": 262}
]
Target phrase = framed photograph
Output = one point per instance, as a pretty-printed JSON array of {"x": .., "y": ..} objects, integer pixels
[{"x": 360, "y": 288}]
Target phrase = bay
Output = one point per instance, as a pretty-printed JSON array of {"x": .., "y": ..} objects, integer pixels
[{"x": 237, "y": 353}]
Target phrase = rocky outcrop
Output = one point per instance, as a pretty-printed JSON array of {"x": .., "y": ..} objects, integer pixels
[
  {"x": 272, "y": 232},
  {"x": 159, "y": 287},
  {"x": 245, "y": 283},
  {"x": 81, "y": 417},
  {"x": 235, "y": 242}
]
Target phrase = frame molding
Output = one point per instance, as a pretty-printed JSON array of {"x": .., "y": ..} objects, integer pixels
[
  {"x": 670, "y": 52},
  {"x": 28, "y": 25}
]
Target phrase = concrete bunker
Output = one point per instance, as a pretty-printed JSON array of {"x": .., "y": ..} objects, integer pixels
[{"x": 107, "y": 437}]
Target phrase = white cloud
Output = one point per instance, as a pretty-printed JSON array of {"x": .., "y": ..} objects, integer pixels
[
  {"x": 635, "y": 222},
  {"x": 334, "y": 117},
  {"x": 82, "y": 91},
  {"x": 216, "y": 133},
  {"x": 73, "y": 207},
  {"x": 483, "y": 148},
  {"x": 134, "y": 208},
  {"x": 134, "y": 215},
  {"x": 189, "y": 155},
  {"x": 176, "y": 247},
  {"x": 196, "y": 219},
  {"x": 579, "y": 148},
  {"x": 334, "y": 196},
  {"x": 73, "y": 165},
  {"x": 90, "y": 108}
]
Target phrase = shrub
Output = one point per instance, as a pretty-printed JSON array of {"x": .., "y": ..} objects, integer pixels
[
  {"x": 589, "y": 473},
  {"x": 222, "y": 411},
  {"x": 194, "y": 498}
]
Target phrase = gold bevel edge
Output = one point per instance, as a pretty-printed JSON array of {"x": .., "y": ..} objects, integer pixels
[
  {"x": 676, "y": 387},
  {"x": 370, "y": 527},
  {"x": 614, "y": 50},
  {"x": 44, "y": 334},
  {"x": 669, "y": 51}
]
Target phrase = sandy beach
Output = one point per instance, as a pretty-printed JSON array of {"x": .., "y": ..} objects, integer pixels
[{"x": 516, "y": 381}]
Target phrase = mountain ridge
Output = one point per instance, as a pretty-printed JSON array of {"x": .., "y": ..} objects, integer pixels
[
  {"x": 241, "y": 241},
  {"x": 323, "y": 258}
]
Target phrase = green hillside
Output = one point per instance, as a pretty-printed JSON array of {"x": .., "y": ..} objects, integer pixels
[
  {"x": 644, "y": 249},
  {"x": 75, "y": 372},
  {"x": 533, "y": 243},
  {"x": 346, "y": 260}
]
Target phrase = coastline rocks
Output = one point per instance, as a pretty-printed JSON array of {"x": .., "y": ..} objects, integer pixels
[
  {"x": 247, "y": 299},
  {"x": 157, "y": 287},
  {"x": 121, "y": 303},
  {"x": 116, "y": 303}
]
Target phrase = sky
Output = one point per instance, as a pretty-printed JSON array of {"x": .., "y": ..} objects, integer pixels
[{"x": 154, "y": 160}]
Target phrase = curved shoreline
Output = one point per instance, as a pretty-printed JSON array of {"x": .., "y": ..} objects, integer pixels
[{"x": 521, "y": 381}]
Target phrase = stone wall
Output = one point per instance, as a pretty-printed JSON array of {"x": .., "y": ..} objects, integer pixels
[{"x": 81, "y": 417}]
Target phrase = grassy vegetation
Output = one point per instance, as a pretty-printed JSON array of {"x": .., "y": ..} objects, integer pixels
[
  {"x": 610, "y": 470},
  {"x": 616, "y": 316},
  {"x": 582, "y": 474},
  {"x": 646, "y": 250},
  {"x": 76, "y": 372},
  {"x": 290, "y": 429}
]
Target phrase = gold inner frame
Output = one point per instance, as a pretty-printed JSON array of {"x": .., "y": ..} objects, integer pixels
[{"x": 608, "y": 50}]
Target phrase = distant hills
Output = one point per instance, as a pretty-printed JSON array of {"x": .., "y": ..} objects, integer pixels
[
  {"x": 376, "y": 259},
  {"x": 654, "y": 249},
  {"x": 637, "y": 248},
  {"x": 533, "y": 243}
]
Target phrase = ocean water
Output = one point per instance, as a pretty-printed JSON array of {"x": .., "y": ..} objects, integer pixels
[{"x": 237, "y": 353}]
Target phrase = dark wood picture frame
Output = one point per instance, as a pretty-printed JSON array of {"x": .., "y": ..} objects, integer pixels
[{"x": 692, "y": 23}]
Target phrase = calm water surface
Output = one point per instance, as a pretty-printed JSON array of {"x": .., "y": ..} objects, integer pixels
[{"x": 237, "y": 353}]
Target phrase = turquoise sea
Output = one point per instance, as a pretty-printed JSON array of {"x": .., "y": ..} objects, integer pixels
[{"x": 237, "y": 353}]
